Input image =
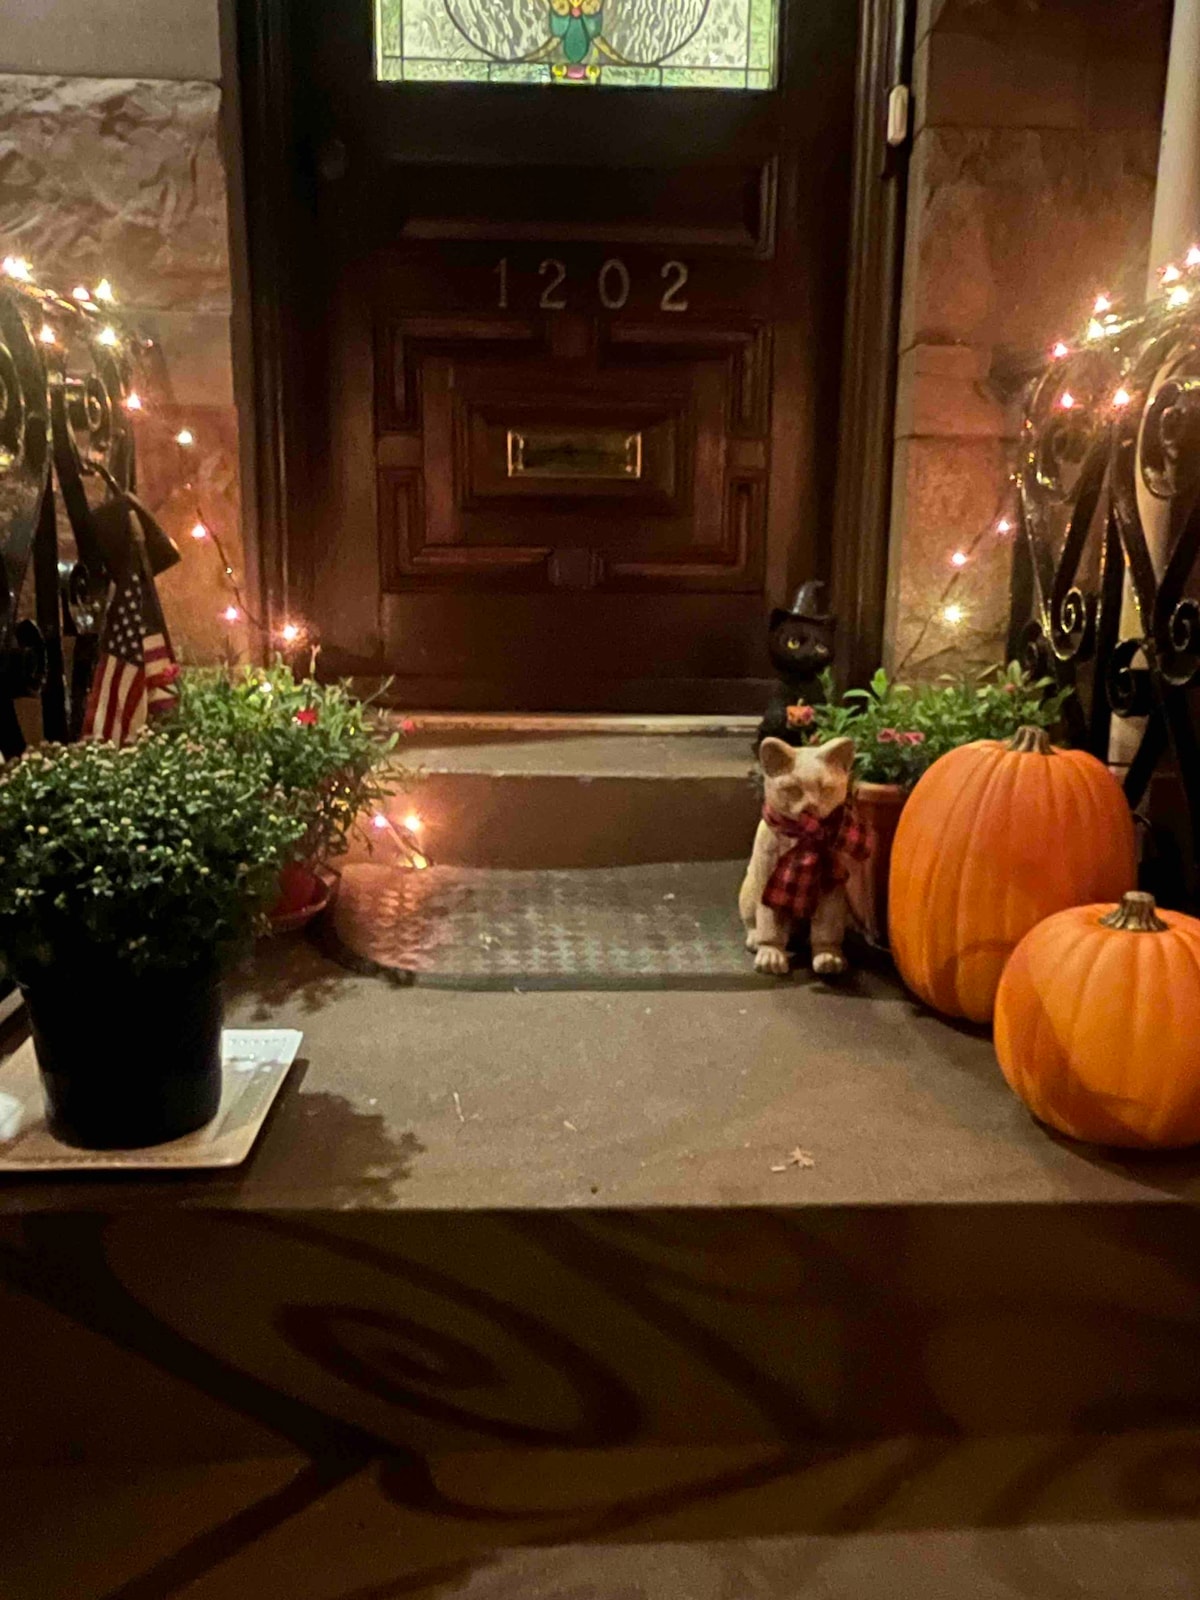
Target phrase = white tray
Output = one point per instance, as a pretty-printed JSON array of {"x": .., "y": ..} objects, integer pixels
[{"x": 254, "y": 1063}]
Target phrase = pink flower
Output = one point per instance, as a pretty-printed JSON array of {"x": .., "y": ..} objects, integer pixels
[
  {"x": 407, "y": 725},
  {"x": 1010, "y": 688},
  {"x": 169, "y": 673},
  {"x": 799, "y": 716},
  {"x": 915, "y": 737},
  {"x": 887, "y": 736},
  {"x": 307, "y": 717}
]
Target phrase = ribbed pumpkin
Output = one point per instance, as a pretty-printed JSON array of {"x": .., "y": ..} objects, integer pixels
[
  {"x": 1097, "y": 1017},
  {"x": 996, "y": 837}
]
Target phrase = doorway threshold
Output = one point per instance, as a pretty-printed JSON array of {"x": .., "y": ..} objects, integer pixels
[{"x": 574, "y": 722}]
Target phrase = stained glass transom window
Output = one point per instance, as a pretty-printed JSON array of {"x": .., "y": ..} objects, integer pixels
[{"x": 684, "y": 44}]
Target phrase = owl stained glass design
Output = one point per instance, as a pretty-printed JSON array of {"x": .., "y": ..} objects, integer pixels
[{"x": 696, "y": 44}]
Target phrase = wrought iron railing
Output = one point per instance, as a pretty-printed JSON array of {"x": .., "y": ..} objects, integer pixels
[
  {"x": 1105, "y": 592},
  {"x": 67, "y": 482}
]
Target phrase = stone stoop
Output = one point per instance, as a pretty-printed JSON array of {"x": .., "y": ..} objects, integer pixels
[{"x": 586, "y": 792}]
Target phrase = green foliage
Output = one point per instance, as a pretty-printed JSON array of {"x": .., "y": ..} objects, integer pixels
[
  {"x": 900, "y": 730},
  {"x": 154, "y": 855},
  {"x": 322, "y": 746}
]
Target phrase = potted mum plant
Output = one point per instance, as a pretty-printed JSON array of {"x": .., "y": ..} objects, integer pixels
[
  {"x": 899, "y": 731},
  {"x": 323, "y": 748},
  {"x": 127, "y": 875}
]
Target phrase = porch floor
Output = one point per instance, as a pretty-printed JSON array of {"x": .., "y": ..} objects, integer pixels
[{"x": 422, "y": 1098}]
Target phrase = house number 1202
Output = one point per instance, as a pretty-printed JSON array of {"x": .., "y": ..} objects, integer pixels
[{"x": 613, "y": 284}]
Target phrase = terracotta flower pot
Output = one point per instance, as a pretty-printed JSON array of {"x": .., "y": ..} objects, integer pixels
[
  {"x": 304, "y": 892},
  {"x": 299, "y": 886},
  {"x": 880, "y": 805}
]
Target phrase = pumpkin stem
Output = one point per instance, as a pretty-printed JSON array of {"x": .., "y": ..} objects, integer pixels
[
  {"x": 1135, "y": 914},
  {"x": 1031, "y": 741}
]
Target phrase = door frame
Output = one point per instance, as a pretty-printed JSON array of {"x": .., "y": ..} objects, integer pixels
[{"x": 269, "y": 187}]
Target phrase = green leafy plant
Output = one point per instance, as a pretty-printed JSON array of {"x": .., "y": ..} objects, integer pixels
[
  {"x": 900, "y": 730},
  {"x": 322, "y": 746},
  {"x": 154, "y": 855}
]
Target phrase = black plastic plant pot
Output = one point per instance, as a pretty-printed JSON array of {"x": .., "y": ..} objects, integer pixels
[{"x": 127, "y": 1059}]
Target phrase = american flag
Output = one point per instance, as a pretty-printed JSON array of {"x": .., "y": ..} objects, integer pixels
[{"x": 136, "y": 669}]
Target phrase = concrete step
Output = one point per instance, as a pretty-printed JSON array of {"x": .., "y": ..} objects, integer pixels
[{"x": 509, "y": 797}]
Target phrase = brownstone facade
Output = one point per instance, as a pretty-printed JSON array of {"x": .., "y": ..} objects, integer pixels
[
  {"x": 1031, "y": 189},
  {"x": 111, "y": 166},
  {"x": 1032, "y": 180}
]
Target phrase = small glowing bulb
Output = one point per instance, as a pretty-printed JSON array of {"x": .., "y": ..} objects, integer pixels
[
  {"x": 1004, "y": 526},
  {"x": 199, "y": 531},
  {"x": 107, "y": 336},
  {"x": 104, "y": 291},
  {"x": 379, "y": 821},
  {"x": 231, "y": 614},
  {"x": 1171, "y": 273},
  {"x": 1066, "y": 400},
  {"x": 1122, "y": 397},
  {"x": 289, "y": 633},
  {"x": 1103, "y": 303},
  {"x": 80, "y": 293},
  {"x": 17, "y": 267},
  {"x": 1192, "y": 259},
  {"x": 1060, "y": 350},
  {"x": 47, "y": 334},
  {"x": 185, "y": 438},
  {"x": 1095, "y": 330},
  {"x": 133, "y": 401},
  {"x": 413, "y": 822},
  {"x": 1178, "y": 296},
  {"x": 959, "y": 558},
  {"x": 952, "y": 614}
]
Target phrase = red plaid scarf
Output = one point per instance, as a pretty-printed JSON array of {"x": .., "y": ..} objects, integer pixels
[{"x": 818, "y": 862}]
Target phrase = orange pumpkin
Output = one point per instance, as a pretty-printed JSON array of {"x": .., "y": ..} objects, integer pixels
[
  {"x": 996, "y": 837},
  {"x": 1096, "y": 1021}
]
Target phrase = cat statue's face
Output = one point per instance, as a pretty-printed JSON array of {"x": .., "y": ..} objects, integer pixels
[{"x": 813, "y": 778}]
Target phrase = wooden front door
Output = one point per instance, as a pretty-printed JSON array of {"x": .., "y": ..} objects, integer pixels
[{"x": 565, "y": 429}]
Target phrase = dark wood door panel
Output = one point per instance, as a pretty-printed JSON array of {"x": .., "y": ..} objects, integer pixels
[
  {"x": 722, "y": 206},
  {"x": 671, "y": 426},
  {"x": 572, "y": 365},
  {"x": 704, "y": 652}
]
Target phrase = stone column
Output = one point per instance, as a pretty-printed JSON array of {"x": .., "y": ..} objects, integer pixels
[
  {"x": 1177, "y": 195},
  {"x": 1176, "y": 226},
  {"x": 1031, "y": 188}
]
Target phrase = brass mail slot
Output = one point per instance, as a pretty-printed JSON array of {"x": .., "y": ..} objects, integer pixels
[{"x": 574, "y": 453}]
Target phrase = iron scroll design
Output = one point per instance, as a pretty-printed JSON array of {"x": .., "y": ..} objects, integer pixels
[
  {"x": 67, "y": 490},
  {"x": 1106, "y": 597}
]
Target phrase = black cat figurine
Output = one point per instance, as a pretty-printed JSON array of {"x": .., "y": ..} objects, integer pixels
[{"x": 800, "y": 644}]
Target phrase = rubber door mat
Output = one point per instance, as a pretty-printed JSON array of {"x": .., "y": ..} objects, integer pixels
[{"x": 673, "y": 925}]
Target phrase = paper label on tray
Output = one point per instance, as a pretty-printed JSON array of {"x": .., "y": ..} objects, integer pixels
[
  {"x": 246, "y": 1049},
  {"x": 12, "y": 1114}
]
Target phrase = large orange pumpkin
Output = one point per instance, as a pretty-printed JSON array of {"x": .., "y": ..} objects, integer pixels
[
  {"x": 1097, "y": 1017},
  {"x": 996, "y": 837}
]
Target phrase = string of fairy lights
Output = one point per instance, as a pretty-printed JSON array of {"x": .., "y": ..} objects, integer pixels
[
  {"x": 96, "y": 306},
  {"x": 1179, "y": 286},
  {"x": 101, "y": 323}
]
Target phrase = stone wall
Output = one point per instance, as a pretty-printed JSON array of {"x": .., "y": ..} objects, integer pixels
[
  {"x": 111, "y": 166},
  {"x": 1031, "y": 189},
  {"x": 1032, "y": 178}
]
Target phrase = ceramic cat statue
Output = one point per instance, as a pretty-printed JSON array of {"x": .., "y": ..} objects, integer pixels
[{"x": 808, "y": 836}]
